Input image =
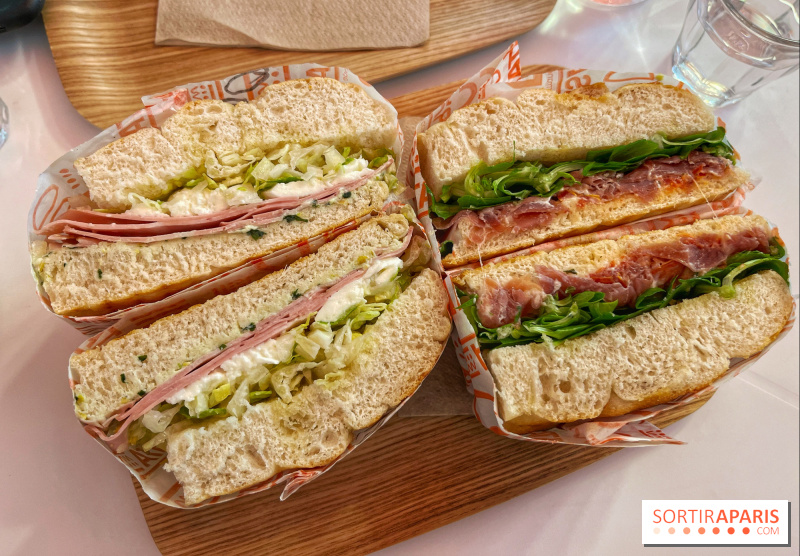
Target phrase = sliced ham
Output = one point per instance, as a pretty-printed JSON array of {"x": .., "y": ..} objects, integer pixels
[
  {"x": 537, "y": 212},
  {"x": 646, "y": 267},
  {"x": 84, "y": 226},
  {"x": 265, "y": 330}
]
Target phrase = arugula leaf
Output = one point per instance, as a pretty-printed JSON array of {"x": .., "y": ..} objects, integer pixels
[
  {"x": 440, "y": 209},
  {"x": 487, "y": 186},
  {"x": 572, "y": 316},
  {"x": 473, "y": 202},
  {"x": 445, "y": 248}
]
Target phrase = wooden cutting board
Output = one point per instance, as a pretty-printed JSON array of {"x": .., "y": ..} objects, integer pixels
[
  {"x": 106, "y": 58},
  {"x": 412, "y": 476}
]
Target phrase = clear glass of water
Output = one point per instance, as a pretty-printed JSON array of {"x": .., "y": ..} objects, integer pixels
[
  {"x": 729, "y": 48},
  {"x": 3, "y": 122}
]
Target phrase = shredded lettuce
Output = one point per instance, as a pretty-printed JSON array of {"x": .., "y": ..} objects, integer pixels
[
  {"x": 572, "y": 316},
  {"x": 487, "y": 186},
  {"x": 234, "y": 179},
  {"x": 320, "y": 353}
]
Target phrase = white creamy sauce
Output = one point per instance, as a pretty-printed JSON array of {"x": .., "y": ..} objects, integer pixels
[
  {"x": 207, "y": 383},
  {"x": 342, "y": 301},
  {"x": 195, "y": 201},
  {"x": 296, "y": 188},
  {"x": 270, "y": 352},
  {"x": 242, "y": 194},
  {"x": 144, "y": 206},
  {"x": 380, "y": 273},
  {"x": 200, "y": 200},
  {"x": 142, "y": 209},
  {"x": 313, "y": 185}
]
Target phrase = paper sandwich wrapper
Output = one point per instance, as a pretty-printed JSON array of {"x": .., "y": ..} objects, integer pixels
[
  {"x": 60, "y": 184},
  {"x": 309, "y": 25},
  {"x": 502, "y": 78}
]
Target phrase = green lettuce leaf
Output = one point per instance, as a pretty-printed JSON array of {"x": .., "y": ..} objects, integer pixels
[
  {"x": 572, "y": 316},
  {"x": 486, "y": 186}
]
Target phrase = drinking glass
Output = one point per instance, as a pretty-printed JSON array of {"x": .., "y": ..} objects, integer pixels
[
  {"x": 3, "y": 122},
  {"x": 729, "y": 48}
]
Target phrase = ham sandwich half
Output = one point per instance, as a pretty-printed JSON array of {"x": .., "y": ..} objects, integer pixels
[
  {"x": 217, "y": 186},
  {"x": 503, "y": 175},
  {"x": 606, "y": 328},
  {"x": 279, "y": 374}
]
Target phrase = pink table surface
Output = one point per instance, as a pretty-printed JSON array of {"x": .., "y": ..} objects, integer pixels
[{"x": 61, "y": 494}]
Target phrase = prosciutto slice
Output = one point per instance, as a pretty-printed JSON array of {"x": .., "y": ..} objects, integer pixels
[
  {"x": 644, "y": 268},
  {"x": 265, "y": 330},
  {"x": 702, "y": 253},
  {"x": 490, "y": 222},
  {"x": 647, "y": 179},
  {"x": 536, "y": 212},
  {"x": 501, "y": 304},
  {"x": 84, "y": 226}
]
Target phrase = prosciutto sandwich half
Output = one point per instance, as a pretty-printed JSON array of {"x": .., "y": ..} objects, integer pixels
[
  {"x": 606, "y": 328},
  {"x": 505, "y": 175},
  {"x": 217, "y": 186},
  {"x": 279, "y": 374}
]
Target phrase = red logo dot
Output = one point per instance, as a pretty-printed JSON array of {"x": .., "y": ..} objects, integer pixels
[
  {"x": 716, "y": 530},
  {"x": 746, "y": 530},
  {"x": 731, "y": 530},
  {"x": 672, "y": 530},
  {"x": 702, "y": 530},
  {"x": 686, "y": 530}
]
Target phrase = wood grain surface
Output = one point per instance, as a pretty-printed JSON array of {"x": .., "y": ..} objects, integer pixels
[
  {"x": 107, "y": 61},
  {"x": 412, "y": 476}
]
